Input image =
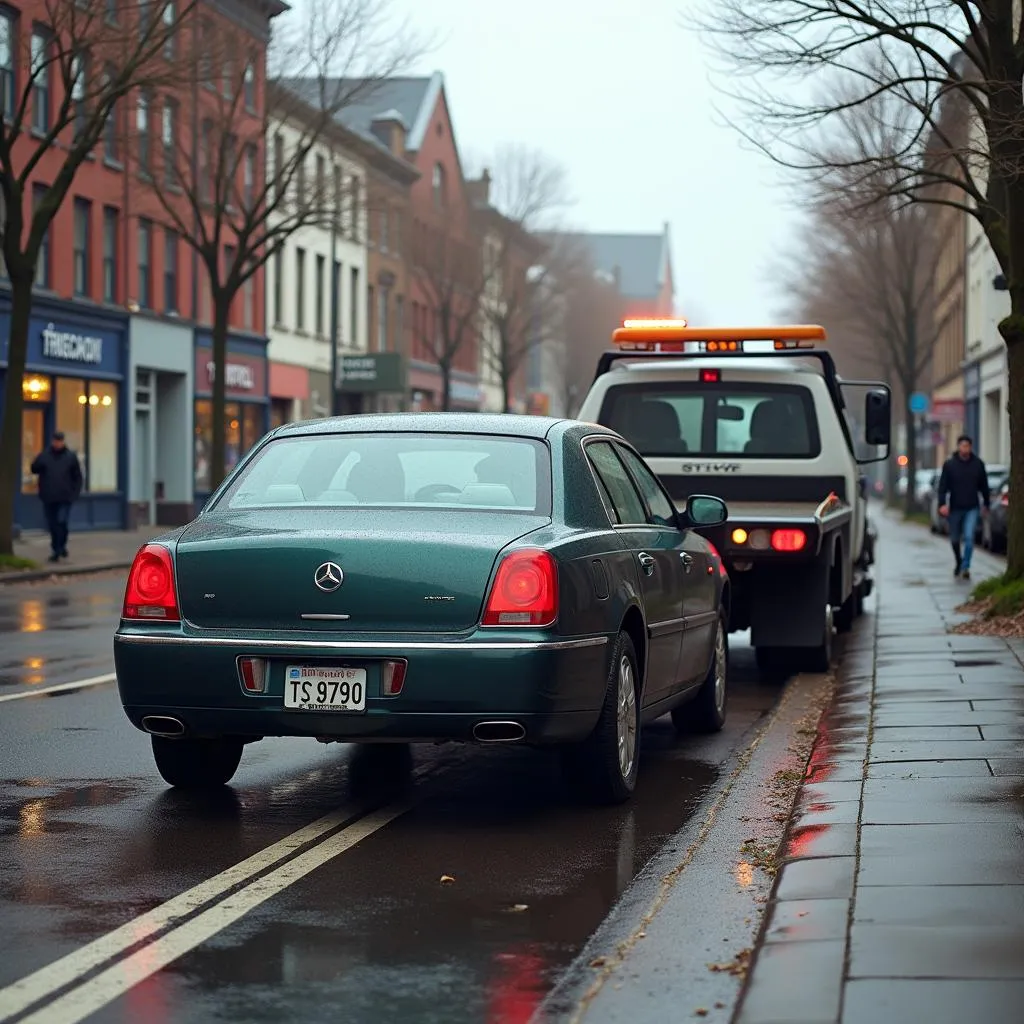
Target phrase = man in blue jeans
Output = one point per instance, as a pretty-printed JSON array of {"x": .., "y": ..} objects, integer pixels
[
  {"x": 60, "y": 484},
  {"x": 964, "y": 479}
]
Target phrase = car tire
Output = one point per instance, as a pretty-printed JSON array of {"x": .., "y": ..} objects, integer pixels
[
  {"x": 604, "y": 767},
  {"x": 847, "y": 613},
  {"x": 706, "y": 713},
  {"x": 858, "y": 601},
  {"x": 196, "y": 764}
]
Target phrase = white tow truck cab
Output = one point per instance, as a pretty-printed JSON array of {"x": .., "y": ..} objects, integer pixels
[{"x": 757, "y": 416}]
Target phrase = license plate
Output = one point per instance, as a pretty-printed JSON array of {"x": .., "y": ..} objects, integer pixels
[{"x": 322, "y": 688}]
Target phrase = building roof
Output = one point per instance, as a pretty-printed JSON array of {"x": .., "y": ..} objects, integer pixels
[{"x": 639, "y": 262}]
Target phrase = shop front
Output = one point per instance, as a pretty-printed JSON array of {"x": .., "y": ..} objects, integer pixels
[
  {"x": 371, "y": 382},
  {"x": 318, "y": 404},
  {"x": 246, "y": 411},
  {"x": 289, "y": 389},
  {"x": 73, "y": 382},
  {"x": 425, "y": 389}
]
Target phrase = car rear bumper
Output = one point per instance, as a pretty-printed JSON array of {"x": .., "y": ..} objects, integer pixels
[{"x": 554, "y": 688}]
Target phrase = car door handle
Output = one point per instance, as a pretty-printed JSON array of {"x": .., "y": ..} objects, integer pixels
[
  {"x": 687, "y": 560},
  {"x": 648, "y": 562}
]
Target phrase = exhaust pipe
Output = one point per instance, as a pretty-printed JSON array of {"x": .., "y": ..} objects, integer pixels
[
  {"x": 163, "y": 725},
  {"x": 498, "y": 732}
]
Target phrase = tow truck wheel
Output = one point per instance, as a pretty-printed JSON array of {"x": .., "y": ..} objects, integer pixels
[
  {"x": 819, "y": 659},
  {"x": 847, "y": 613}
]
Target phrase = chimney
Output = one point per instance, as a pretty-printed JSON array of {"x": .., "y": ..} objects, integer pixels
[
  {"x": 479, "y": 190},
  {"x": 390, "y": 128}
]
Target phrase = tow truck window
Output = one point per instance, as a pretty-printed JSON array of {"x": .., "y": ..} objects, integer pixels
[{"x": 757, "y": 421}]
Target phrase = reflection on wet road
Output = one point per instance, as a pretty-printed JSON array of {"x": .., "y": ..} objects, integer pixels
[
  {"x": 57, "y": 632},
  {"x": 90, "y": 839}
]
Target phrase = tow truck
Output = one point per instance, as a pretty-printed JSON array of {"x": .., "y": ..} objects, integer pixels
[{"x": 758, "y": 416}]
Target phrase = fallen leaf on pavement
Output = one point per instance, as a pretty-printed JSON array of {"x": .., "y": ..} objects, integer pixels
[{"x": 447, "y": 879}]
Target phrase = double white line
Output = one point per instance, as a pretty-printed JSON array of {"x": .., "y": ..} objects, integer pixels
[{"x": 149, "y": 943}]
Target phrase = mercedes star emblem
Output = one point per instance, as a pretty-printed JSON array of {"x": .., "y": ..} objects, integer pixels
[{"x": 328, "y": 577}]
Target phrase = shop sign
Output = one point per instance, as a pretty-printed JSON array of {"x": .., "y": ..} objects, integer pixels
[
  {"x": 243, "y": 375},
  {"x": 462, "y": 392},
  {"x": 373, "y": 371},
  {"x": 75, "y": 348},
  {"x": 947, "y": 410}
]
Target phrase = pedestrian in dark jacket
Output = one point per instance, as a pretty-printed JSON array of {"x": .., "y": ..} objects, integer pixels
[
  {"x": 60, "y": 484},
  {"x": 963, "y": 480}
]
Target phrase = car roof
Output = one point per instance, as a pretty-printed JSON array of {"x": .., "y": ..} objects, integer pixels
[
  {"x": 538, "y": 427},
  {"x": 655, "y": 369}
]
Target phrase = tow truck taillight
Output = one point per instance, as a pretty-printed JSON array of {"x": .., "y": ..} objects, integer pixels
[
  {"x": 392, "y": 678},
  {"x": 254, "y": 674},
  {"x": 710, "y": 376},
  {"x": 150, "y": 592},
  {"x": 1004, "y": 499},
  {"x": 788, "y": 540},
  {"x": 525, "y": 591}
]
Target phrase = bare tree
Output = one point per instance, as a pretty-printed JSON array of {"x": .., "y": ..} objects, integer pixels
[
  {"x": 525, "y": 274},
  {"x": 61, "y": 99},
  {"x": 812, "y": 62},
  {"x": 230, "y": 201}
]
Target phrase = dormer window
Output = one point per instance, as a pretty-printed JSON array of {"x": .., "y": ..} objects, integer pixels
[{"x": 440, "y": 192}]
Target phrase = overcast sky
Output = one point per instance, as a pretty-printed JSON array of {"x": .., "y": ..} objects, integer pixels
[{"x": 618, "y": 92}]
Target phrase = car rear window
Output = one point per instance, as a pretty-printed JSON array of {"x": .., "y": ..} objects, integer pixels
[
  {"x": 475, "y": 471},
  {"x": 756, "y": 421}
]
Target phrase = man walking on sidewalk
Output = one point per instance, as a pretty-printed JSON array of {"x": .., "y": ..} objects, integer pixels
[
  {"x": 963, "y": 479},
  {"x": 60, "y": 484}
]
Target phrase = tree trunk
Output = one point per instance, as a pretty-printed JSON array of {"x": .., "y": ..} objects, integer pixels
[
  {"x": 506, "y": 388},
  {"x": 910, "y": 423},
  {"x": 11, "y": 426},
  {"x": 446, "y": 385},
  {"x": 1012, "y": 329},
  {"x": 221, "y": 313}
]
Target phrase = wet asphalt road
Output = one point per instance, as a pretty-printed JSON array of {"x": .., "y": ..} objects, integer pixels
[{"x": 91, "y": 839}]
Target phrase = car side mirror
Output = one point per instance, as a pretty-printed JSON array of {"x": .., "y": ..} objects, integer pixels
[
  {"x": 704, "y": 510},
  {"x": 877, "y": 419}
]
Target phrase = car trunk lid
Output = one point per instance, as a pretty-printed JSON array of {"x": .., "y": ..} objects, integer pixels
[{"x": 401, "y": 570}]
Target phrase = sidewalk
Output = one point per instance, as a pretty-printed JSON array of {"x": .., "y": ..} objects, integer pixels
[
  {"x": 901, "y": 895},
  {"x": 96, "y": 551}
]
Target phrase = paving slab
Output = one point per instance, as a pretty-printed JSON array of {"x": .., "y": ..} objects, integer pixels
[
  {"x": 932, "y": 1001},
  {"x": 927, "y": 769}
]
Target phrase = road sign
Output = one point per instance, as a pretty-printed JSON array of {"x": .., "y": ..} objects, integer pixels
[{"x": 919, "y": 403}]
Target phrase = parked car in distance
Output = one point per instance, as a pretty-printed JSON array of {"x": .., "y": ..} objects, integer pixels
[
  {"x": 429, "y": 577},
  {"x": 993, "y": 530}
]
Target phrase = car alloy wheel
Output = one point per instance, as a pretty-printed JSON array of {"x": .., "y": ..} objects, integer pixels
[
  {"x": 706, "y": 712},
  {"x": 626, "y": 716},
  {"x": 721, "y": 668}
]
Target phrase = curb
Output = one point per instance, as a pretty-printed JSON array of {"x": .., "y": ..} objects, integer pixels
[{"x": 37, "y": 575}]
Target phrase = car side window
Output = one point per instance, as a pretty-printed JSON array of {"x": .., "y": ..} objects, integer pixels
[
  {"x": 662, "y": 511},
  {"x": 612, "y": 473}
]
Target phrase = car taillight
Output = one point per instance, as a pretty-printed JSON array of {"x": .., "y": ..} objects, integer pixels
[
  {"x": 150, "y": 593},
  {"x": 254, "y": 674},
  {"x": 716, "y": 558},
  {"x": 392, "y": 678},
  {"x": 525, "y": 591},
  {"x": 788, "y": 540}
]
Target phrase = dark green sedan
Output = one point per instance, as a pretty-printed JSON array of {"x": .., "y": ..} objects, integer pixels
[{"x": 425, "y": 577}]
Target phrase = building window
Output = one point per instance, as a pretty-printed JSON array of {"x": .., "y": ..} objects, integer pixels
[
  {"x": 40, "y": 69},
  {"x": 335, "y": 300},
  {"x": 399, "y": 324},
  {"x": 353, "y": 310},
  {"x": 82, "y": 223},
  {"x": 249, "y": 87},
  {"x": 79, "y": 71},
  {"x": 110, "y": 240},
  {"x": 371, "y": 312},
  {"x": 168, "y": 134},
  {"x": 206, "y": 162},
  {"x": 110, "y": 9},
  {"x": 7, "y": 81},
  {"x": 146, "y": 264},
  {"x": 249, "y": 303},
  {"x": 440, "y": 197},
  {"x": 318, "y": 312},
  {"x": 142, "y": 130},
  {"x": 382, "y": 320},
  {"x": 170, "y": 35},
  {"x": 42, "y": 279},
  {"x": 300, "y": 289},
  {"x": 243, "y": 427},
  {"x": 86, "y": 410},
  {"x": 336, "y": 192},
  {"x": 249, "y": 176},
  {"x": 301, "y": 198},
  {"x": 278, "y": 287},
  {"x": 170, "y": 271},
  {"x": 384, "y": 230},
  {"x": 227, "y": 79},
  {"x": 111, "y": 148},
  {"x": 278, "y": 167}
]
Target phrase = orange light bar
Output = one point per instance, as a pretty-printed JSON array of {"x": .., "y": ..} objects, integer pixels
[{"x": 678, "y": 331}]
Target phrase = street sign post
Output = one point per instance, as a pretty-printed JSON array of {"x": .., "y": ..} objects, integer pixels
[{"x": 919, "y": 403}]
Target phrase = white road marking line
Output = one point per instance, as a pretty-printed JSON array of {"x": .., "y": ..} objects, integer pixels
[
  {"x": 67, "y": 969},
  {"x": 107, "y": 986},
  {"x": 81, "y": 684}
]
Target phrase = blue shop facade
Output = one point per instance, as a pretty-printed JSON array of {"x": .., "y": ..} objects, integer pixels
[{"x": 74, "y": 382}]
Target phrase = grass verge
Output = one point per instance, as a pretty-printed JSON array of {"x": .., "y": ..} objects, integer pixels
[
  {"x": 12, "y": 563},
  {"x": 998, "y": 607},
  {"x": 921, "y": 518}
]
